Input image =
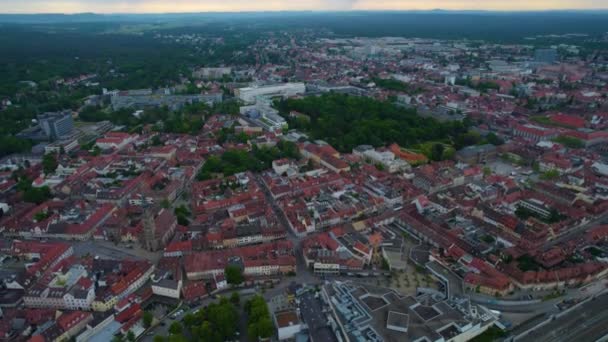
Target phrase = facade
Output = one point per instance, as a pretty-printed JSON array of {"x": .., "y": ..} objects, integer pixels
[
  {"x": 548, "y": 56},
  {"x": 141, "y": 99},
  {"x": 476, "y": 154},
  {"x": 167, "y": 288},
  {"x": 249, "y": 94},
  {"x": 212, "y": 73},
  {"x": 56, "y": 125}
]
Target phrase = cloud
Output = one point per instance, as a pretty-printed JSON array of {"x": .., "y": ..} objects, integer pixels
[{"x": 140, "y": 6}]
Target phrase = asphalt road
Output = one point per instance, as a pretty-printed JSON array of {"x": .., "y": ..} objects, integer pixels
[
  {"x": 304, "y": 273},
  {"x": 313, "y": 315},
  {"x": 588, "y": 322}
]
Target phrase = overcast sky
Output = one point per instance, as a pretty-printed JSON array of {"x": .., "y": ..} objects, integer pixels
[{"x": 148, "y": 6}]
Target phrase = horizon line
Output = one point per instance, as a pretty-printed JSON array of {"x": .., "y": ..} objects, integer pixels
[{"x": 437, "y": 10}]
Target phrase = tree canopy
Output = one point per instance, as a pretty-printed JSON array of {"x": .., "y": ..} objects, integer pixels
[
  {"x": 259, "y": 321},
  {"x": 214, "y": 323},
  {"x": 348, "y": 121},
  {"x": 234, "y": 274},
  {"x": 236, "y": 161}
]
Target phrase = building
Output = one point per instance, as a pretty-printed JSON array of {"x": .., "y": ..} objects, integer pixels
[
  {"x": 56, "y": 125},
  {"x": 288, "y": 324},
  {"x": 157, "y": 230},
  {"x": 147, "y": 98},
  {"x": 476, "y": 154},
  {"x": 249, "y": 94},
  {"x": 270, "y": 259},
  {"x": 535, "y": 133},
  {"x": 366, "y": 313},
  {"x": 547, "y": 56},
  {"x": 536, "y": 206},
  {"x": 385, "y": 158},
  {"x": 212, "y": 73},
  {"x": 264, "y": 115}
]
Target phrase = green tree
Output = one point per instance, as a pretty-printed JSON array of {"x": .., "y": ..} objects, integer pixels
[
  {"x": 437, "y": 151},
  {"x": 96, "y": 151},
  {"x": 348, "y": 121},
  {"x": 234, "y": 274},
  {"x": 494, "y": 139},
  {"x": 235, "y": 298},
  {"x": 175, "y": 328},
  {"x": 49, "y": 163},
  {"x": 569, "y": 142},
  {"x": 260, "y": 323},
  {"x": 36, "y": 195},
  {"x": 156, "y": 140},
  {"x": 158, "y": 338},
  {"x": 550, "y": 174},
  {"x": 147, "y": 318},
  {"x": 130, "y": 336},
  {"x": 190, "y": 320}
]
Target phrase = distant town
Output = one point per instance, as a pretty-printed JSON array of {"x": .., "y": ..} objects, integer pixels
[{"x": 333, "y": 189}]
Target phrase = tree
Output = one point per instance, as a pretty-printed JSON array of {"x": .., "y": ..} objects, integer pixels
[
  {"x": 260, "y": 323},
  {"x": 190, "y": 320},
  {"x": 156, "y": 140},
  {"x": 494, "y": 139},
  {"x": 130, "y": 336},
  {"x": 235, "y": 298},
  {"x": 175, "y": 328},
  {"x": 147, "y": 318},
  {"x": 36, "y": 195},
  {"x": 96, "y": 151},
  {"x": 348, "y": 121},
  {"x": 234, "y": 274},
  {"x": 437, "y": 151},
  {"x": 49, "y": 163},
  {"x": 550, "y": 174},
  {"x": 159, "y": 338},
  {"x": 569, "y": 142}
]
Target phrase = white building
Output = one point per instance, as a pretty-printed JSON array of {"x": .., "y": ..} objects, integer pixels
[
  {"x": 167, "y": 288},
  {"x": 288, "y": 324},
  {"x": 385, "y": 158},
  {"x": 249, "y": 94},
  {"x": 212, "y": 73}
]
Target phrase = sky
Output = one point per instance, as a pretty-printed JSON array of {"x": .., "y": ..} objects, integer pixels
[{"x": 161, "y": 6}]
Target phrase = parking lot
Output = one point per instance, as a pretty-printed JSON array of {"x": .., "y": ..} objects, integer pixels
[{"x": 108, "y": 250}]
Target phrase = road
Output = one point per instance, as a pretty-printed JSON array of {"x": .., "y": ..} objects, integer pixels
[
  {"x": 546, "y": 307},
  {"x": 304, "y": 274},
  {"x": 588, "y": 322},
  {"x": 314, "y": 317}
]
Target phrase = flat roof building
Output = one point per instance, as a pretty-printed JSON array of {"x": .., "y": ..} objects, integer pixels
[
  {"x": 249, "y": 94},
  {"x": 369, "y": 313}
]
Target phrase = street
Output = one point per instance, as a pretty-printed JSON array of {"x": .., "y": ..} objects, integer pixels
[{"x": 586, "y": 323}]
